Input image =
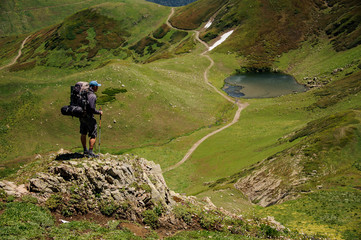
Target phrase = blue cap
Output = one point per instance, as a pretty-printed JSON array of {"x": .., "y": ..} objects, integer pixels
[{"x": 94, "y": 83}]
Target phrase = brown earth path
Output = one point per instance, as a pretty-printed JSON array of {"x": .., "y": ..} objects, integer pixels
[
  {"x": 240, "y": 106},
  {"x": 17, "y": 57}
]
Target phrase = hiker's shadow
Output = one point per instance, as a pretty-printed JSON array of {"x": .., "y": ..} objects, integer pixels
[{"x": 69, "y": 156}]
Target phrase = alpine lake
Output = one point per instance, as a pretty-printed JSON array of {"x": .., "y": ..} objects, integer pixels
[{"x": 261, "y": 85}]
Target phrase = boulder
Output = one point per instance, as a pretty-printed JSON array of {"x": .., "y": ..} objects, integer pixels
[
  {"x": 130, "y": 184},
  {"x": 12, "y": 189}
]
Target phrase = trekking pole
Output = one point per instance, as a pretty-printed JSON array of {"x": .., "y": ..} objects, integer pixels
[{"x": 100, "y": 127}]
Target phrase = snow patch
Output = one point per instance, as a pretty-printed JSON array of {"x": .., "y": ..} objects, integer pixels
[
  {"x": 220, "y": 41},
  {"x": 209, "y": 23}
]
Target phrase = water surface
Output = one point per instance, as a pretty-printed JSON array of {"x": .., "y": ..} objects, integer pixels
[
  {"x": 261, "y": 85},
  {"x": 172, "y": 3}
]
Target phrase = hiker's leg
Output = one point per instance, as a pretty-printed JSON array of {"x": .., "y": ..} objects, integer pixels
[
  {"x": 92, "y": 136},
  {"x": 83, "y": 140},
  {"x": 83, "y": 132},
  {"x": 91, "y": 143}
]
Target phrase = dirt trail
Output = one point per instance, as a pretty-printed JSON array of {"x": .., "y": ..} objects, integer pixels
[
  {"x": 17, "y": 57},
  {"x": 240, "y": 106}
]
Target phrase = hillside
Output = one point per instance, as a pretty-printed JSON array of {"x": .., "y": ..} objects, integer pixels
[
  {"x": 294, "y": 157},
  {"x": 79, "y": 39},
  {"x": 113, "y": 189},
  {"x": 266, "y": 29},
  {"x": 156, "y": 103},
  {"x": 22, "y": 16}
]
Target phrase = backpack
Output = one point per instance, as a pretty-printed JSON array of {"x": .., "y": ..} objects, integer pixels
[{"x": 78, "y": 100}]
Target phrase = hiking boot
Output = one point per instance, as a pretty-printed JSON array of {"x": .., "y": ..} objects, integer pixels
[
  {"x": 92, "y": 155},
  {"x": 85, "y": 153}
]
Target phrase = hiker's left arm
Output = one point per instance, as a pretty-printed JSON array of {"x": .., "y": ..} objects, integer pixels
[{"x": 92, "y": 103}]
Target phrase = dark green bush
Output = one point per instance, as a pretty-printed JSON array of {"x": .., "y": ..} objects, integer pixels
[
  {"x": 2, "y": 205},
  {"x": 3, "y": 194},
  {"x": 108, "y": 207},
  {"x": 10, "y": 198},
  {"x": 150, "y": 218},
  {"x": 54, "y": 202},
  {"x": 109, "y": 95},
  {"x": 269, "y": 232},
  {"x": 210, "y": 221},
  {"x": 159, "y": 210},
  {"x": 78, "y": 203},
  {"x": 183, "y": 213}
]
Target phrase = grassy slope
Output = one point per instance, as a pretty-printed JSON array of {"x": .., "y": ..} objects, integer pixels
[
  {"x": 316, "y": 58},
  {"x": 333, "y": 212},
  {"x": 18, "y": 17},
  {"x": 164, "y": 100},
  {"x": 247, "y": 142},
  {"x": 90, "y": 37},
  {"x": 193, "y": 15},
  {"x": 266, "y": 29},
  {"x": 99, "y": 33},
  {"x": 263, "y": 29},
  {"x": 25, "y": 220},
  {"x": 319, "y": 61}
]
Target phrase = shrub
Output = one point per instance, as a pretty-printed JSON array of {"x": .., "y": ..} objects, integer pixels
[
  {"x": 107, "y": 208},
  {"x": 210, "y": 221},
  {"x": 183, "y": 213},
  {"x": 3, "y": 194},
  {"x": 209, "y": 36},
  {"x": 161, "y": 31},
  {"x": 10, "y": 198},
  {"x": 29, "y": 199},
  {"x": 67, "y": 212},
  {"x": 78, "y": 203},
  {"x": 54, "y": 202},
  {"x": 2, "y": 205},
  {"x": 109, "y": 95},
  {"x": 269, "y": 231},
  {"x": 150, "y": 218},
  {"x": 158, "y": 210},
  {"x": 357, "y": 165}
]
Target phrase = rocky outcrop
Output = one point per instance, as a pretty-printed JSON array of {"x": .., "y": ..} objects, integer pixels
[
  {"x": 12, "y": 189},
  {"x": 120, "y": 186},
  {"x": 273, "y": 180},
  {"x": 116, "y": 178},
  {"x": 124, "y": 187}
]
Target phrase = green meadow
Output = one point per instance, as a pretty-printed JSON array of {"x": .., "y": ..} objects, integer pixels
[{"x": 24, "y": 16}]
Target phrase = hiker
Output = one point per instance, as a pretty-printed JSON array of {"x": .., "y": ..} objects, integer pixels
[{"x": 88, "y": 124}]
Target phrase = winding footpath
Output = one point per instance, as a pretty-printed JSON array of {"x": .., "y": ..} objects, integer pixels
[
  {"x": 240, "y": 106},
  {"x": 17, "y": 57}
]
